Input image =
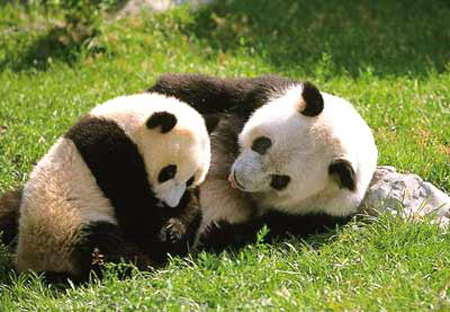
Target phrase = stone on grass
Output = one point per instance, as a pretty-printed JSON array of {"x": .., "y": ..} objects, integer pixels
[
  {"x": 134, "y": 6},
  {"x": 406, "y": 195}
]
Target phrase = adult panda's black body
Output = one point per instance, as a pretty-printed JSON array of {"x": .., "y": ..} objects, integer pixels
[
  {"x": 283, "y": 154},
  {"x": 116, "y": 182}
]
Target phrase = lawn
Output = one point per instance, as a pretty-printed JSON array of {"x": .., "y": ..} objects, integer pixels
[{"x": 390, "y": 58}]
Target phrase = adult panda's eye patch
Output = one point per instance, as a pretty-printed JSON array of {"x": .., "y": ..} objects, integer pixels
[
  {"x": 279, "y": 182},
  {"x": 167, "y": 173},
  {"x": 261, "y": 145}
]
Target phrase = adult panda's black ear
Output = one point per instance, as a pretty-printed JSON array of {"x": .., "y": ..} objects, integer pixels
[
  {"x": 343, "y": 172},
  {"x": 164, "y": 119},
  {"x": 313, "y": 100}
]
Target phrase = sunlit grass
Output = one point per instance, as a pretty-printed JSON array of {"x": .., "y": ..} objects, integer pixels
[{"x": 391, "y": 59}]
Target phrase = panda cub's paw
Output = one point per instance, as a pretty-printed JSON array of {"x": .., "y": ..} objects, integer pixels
[
  {"x": 173, "y": 230},
  {"x": 174, "y": 236}
]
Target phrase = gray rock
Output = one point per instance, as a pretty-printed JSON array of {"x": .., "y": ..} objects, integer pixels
[
  {"x": 133, "y": 6},
  {"x": 406, "y": 195}
]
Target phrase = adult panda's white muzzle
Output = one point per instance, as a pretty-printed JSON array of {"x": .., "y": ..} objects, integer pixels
[
  {"x": 247, "y": 173},
  {"x": 173, "y": 195}
]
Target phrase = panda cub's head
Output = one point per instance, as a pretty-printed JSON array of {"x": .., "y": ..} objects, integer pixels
[
  {"x": 172, "y": 140},
  {"x": 306, "y": 151}
]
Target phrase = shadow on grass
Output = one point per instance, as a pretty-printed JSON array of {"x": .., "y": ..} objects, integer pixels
[
  {"x": 6, "y": 266},
  {"x": 385, "y": 37},
  {"x": 328, "y": 38},
  {"x": 57, "y": 44}
]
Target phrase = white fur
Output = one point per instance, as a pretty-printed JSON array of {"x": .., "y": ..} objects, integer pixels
[
  {"x": 62, "y": 194},
  {"x": 186, "y": 145},
  {"x": 303, "y": 148}
]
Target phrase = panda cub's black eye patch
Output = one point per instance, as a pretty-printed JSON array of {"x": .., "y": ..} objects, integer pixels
[
  {"x": 167, "y": 173},
  {"x": 261, "y": 145},
  {"x": 279, "y": 182},
  {"x": 190, "y": 181}
]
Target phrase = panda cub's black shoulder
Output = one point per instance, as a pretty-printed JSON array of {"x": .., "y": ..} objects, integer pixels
[
  {"x": 119, "y": 170},
  {"x": 96, "y": 197}
]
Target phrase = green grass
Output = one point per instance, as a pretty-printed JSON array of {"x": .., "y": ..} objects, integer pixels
[{"x": 390, "y": 58}]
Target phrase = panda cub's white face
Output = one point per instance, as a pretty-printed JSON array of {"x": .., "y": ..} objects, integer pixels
[{"x": 172, "y": 139}]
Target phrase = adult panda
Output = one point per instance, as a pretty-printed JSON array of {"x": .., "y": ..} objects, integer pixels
[
  {"x": 118, "y": 178},
  {"x": 283, "y": 154}
]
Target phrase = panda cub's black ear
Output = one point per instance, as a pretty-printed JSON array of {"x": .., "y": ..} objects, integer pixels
[
  {"x": 164, "y": 119},
  {"x": 313, "y": 100},
  {"x": 343, "y": 171}
]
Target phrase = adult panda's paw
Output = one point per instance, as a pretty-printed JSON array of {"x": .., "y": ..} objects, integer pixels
[{"x": 173, "y": 236}]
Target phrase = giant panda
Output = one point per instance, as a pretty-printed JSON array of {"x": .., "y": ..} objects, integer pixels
[
  {"x": 121, "y": 176},
  {"x": 283, "y": 154}
]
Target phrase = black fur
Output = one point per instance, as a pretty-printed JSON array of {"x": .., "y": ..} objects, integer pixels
[
  {"x": 166, "y": 120},
  {"x": 120, "y": 173},
  {"x": 224, "y": 139},
  {"x": 211, "y": 95},
  {"x": 167, "y": 173},
  {"x": 146, "y": 233},
  {"x": 281, "y": 224},
  {"x": 224, "y": 234},
  {"x": 279, "y": 181},
  {"x": 313, "y": 100},
  {"x": 180, "y": 230},
  {"x": 230, "y": 103},
  {"x": 261, "y": 145},
  {"x": 98, "y": 243},
  {"x": 211, "y": 122},
  {"x": 344, "y": 171},
  {"x": 9, "y": 215}
]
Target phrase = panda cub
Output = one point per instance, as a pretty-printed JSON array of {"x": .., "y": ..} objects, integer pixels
[
  {"x": 283, "y": 154},
  {"x": 121, "y": 176}
]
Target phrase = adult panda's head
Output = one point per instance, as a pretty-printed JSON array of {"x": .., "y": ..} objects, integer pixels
[
  {"x": 305, "y": 144},
  {"x": 171, "y": 138}
]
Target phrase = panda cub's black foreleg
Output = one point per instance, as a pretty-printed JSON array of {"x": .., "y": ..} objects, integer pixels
[
  {"x": 179, "y": 232},
  {"x": 98, "y": 243},
  {"x": 95, "y": 244}
]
